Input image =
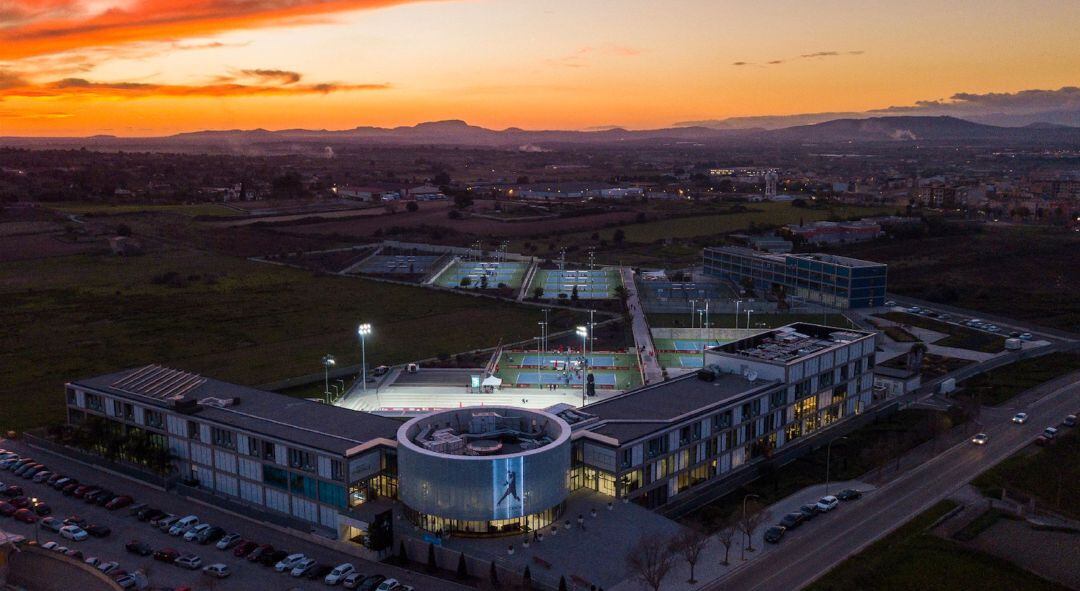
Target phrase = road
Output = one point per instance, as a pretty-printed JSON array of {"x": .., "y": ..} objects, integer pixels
[
  {"x": 642, "y": 335},
  {"x": 246, "y": 577},
  {"x": 800, "y": 559}
]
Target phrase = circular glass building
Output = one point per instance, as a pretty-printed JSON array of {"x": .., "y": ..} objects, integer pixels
[{"x": 484, "y": 471}]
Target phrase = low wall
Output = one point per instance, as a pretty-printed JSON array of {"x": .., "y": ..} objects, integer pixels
[{"x": 719, "y": 334}]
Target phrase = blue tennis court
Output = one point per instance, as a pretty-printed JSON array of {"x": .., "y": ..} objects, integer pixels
[
  {"x": 565, "y": 379},
  {"x": 589, "y": 283},
  {"x": 690, "y": 360},
  {"x": 533, "y": 360},
  {"x": 693, "y": 345}
]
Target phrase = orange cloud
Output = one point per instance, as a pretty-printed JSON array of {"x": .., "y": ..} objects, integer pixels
[
  {"x": 43, "y": 27},
  {"x": 80, "y": 87}
]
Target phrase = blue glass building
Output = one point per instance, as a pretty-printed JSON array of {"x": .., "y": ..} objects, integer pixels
[{"x": 837, "y": 281}]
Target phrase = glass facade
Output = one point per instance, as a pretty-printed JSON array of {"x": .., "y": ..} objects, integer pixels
[
  {"x": 834, "y": 281},
  {"x": 486, "y": 528}
]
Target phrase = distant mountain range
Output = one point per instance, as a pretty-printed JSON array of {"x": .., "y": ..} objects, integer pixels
[{"x": 460, "y": 133}]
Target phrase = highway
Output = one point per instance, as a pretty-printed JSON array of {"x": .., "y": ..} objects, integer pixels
[{"x": 800, "y": 559}]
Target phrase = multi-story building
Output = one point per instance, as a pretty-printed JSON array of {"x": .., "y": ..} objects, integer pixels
[
  {"x": 296, "y": 458},
  {"x": 755, "y": 396},
  {"x": 833, "y": 280}
]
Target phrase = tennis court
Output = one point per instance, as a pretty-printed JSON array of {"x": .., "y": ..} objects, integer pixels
[
  {"x": 547, "y": 360},
  {"x": 684, "y": 345},
  {"x": 483, "y": 275},
  {"x": 590, "y": 284},
  {"x": 398, "y": 264},
  {"x": 527, "y": 378},
  {"x": 677, "y": 360},
  {"x": 610, "y": 369}
]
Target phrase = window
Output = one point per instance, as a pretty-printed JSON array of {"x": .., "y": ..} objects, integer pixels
[
  {"x": 626, "y": 457},
  {"x": 332, "y": 494},
  {"x": 301, "y": 459},
  {"x": 223, "y": 438},
  {"x": 193, "y": 431},
  {"x": 71, "y": 397},
  {"x": 94, "y": 402},
  {"x": 303, "y": 485},
  {"x": 337, "y": 470},
  {"x": 275, "y": 477},
  {"x": 722, "y": 420},
  {"x": 826, "y": 379},
  {"x": 870, "y": 362},
  {"x": 802, "y": 389},
  {"x": 695, "y": 431},
  {"x": 269, "y": 453},
  {"x": 776, "y": 399},
  {"x": 684, "y": 435},
  {"x": 153, "y": 418},
  {"x": 129, "y": 412},
  {"x": 117, "y": 408},
  {"x": 254, "y": 446},
  {"x": 844, "y": 372},
  {"x": 657, "y": 446}
]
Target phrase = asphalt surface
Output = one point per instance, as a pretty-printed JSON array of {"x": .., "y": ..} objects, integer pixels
[
  {"x": 799, "y": 560},
  {"x": 247, "y": 576},
  {"x": 642, "y": 334}
]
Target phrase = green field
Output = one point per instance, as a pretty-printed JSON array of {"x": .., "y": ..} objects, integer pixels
[
  {"x": 1051, "y": 475},
  {"x": 960, "y": 337},
  {"x": 1000, "y": 385},
  {"x": 913, "y": 558},
  {"x": 70, "y": 317},
  {"x": 772, "y": 214},
  {"x": 193, "y": 210}
]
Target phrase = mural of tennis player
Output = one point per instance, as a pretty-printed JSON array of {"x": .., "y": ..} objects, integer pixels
[{"x": 511, "y": 488}]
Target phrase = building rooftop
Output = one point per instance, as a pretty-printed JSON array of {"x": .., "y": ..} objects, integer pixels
[
  {"x": 837, "y": 260},
  {"x": 304, "y": 422},
  {"x": 637, "y": 413},
  {"x": 789, "y": 344}
]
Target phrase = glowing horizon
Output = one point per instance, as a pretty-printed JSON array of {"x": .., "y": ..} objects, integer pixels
[{"x": 158, "y": 67}]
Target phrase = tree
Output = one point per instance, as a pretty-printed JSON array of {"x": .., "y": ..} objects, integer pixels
[
  {"x": 750, "y": 520},
  {"x": 574, "y": 294},
  {"x": 726, "y": 534},
  {"x": 412, "y": 207},
  {"x": 689, "y": 544},
  {"x": 432, "y": 565},
  {"x": 462, "y": 200},
  {"x": 526, "y": 579},
  {"x": 466, "y": 281},
  {"x": 462, "y": 568},
  {"x": 441, "y": 178},
  {"x": 538, "y": 292},
  {"x": 619, "y": 236},
  {"x": 402, "y": 554},
  {"x": 562, "y": 583},
  {"x": 494, "y": 575},
  {"x": 650, "y": 561}
]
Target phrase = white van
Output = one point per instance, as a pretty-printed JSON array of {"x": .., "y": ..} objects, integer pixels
[{"x": 183, "y": 525}]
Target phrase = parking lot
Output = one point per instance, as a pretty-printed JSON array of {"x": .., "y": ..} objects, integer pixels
[{"x": 246, "y": 575}]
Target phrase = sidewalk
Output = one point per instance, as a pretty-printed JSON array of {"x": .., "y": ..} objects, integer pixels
[{"x": 642, "y": 335}]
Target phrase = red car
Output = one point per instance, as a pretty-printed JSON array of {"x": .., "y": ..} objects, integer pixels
[
  {"x": 81, "y": 490},
  {"x": 25, "y": 516},
  {"x": 20, "y": 502},
  {"x": 245, "y": 548},
  {"x": 7, "y": 509},
  {"x": 119, "y": 502},
  {"x": 166, "y": 555}
]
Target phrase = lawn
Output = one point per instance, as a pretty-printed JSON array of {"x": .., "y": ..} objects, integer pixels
[
  {"x": 193, "y": 210},
  {"x": 252, "y": 323},
  {"x": 960, "y": 337},
  {"x": 913, "y": 558},
  {"x": 1051, "y": 475},
  {"x": 1000, "y": 385},
  {"x": 666, "y": 320}
]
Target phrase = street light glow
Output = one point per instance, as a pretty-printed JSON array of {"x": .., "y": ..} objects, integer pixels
[
  {"x": 582, "y": 331},
  {"x": 364, "y": 329}
]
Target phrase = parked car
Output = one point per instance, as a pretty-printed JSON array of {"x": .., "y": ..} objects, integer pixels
[
  {"x": 849, "y": 494},
  {"x": 318, "y": 572},
  {"x": 1020, "y": 418},
  {"x": 43, "y": 476},
  {"x": 189, "y": 561},
  {"x": 302, "y": 567},
  {"x": 7, "y": 509},
  {"x": 217, "y": 570},
  {"x": 74, "y": 533},
  {"x": 352, "y": 581},
  {"x": 182, "y": 525},
  {"x": 290, "y": 561},
  {"x": 70, "y": 488},
  {"x": 370, "y": 583},
  {"x": 119, "y": 502},
  {"x": 1050, "y": 432},
  {"x": 20, "y": 502},
  {"x": 827, "y": 503},
  {"x": 98, "y": 531},
  {"x": 103, "y": 498},
  {"x": 81, "y": 490},
  {"x": 1042, "y": 441},
  {"x": 63, "y": 482},
  {"x": 387, "y": 585},
  {"x": 228, "y": 541},
  {"x": 1026, "y": 336},
  {"x": 980, "y": 439},
  {"x": 257, "y": 553},
  {"x": 108, "y": 567},
  {"x": 50, "y": 545},
  {"x": 25, "y": 516},
  {"x": 165, "y": 523},
  {"x": 774, "y": 534},
  {"x": 168, "y": 555},
  {"x": 338, "y": 574},
  {"x": 210, "y": 534},
  {"x": 272, "y": 558},
  {"x": 75, "y": 520},
  {"x": 140, "y": 548},
  {"x": 244, "y": 548},
  {"x": 93, "y": 561},
  {"x": 13, "y": 490},
  {"x": 76, "y": 554},
  {"x": 134, "y": 509},
  {"x": 132, "y": 580},
  {"x": 1070, "y": 421},
  {"x": 52, "y": 524},
  {"x": 193, "y": 534},
  {"x": 149, "y": 514},
  {"x": 793, "y": 520},
  {"x": 42, "y": 508}
]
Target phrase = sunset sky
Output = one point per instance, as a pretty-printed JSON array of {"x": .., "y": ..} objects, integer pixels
[{"x": 153, "y": 67}]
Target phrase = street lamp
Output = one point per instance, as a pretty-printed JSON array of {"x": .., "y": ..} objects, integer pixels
[
  {"x": 328, "y": 361},
  {"x": 748, "y": 311},
  {"x": 363, "y": 331},
  {"x": 828, "y": 457},
  {"x": 746, "y": 537},
  {"x": 737, "y": 302},
  {"x": 693, "y": 309},
  {"x": 583, "y": 332}
]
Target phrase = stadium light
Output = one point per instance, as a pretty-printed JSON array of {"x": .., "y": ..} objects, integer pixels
[
  {"x": 328, "y": 361},
  {"x": 363, "y": 331},
  {"x": 583, "y": 332}
]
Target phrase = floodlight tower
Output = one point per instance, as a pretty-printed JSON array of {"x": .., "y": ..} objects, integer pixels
[
  {"x": 328, "y": 361},
  {"x": 583, "y": 332},
  {"x": 363, "y": 331}
]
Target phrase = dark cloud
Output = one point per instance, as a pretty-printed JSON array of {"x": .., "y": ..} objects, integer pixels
[
  {"x": 805, "y": 56},
  {"x": 74, "y": 87},
  {"x": 281, "y": 76},
  {"x": 1066, "y": 98},
  {"x": 819, "y": 54},
  {"x": 9, "y": 79},
  {"x": 741, "y": 64}
]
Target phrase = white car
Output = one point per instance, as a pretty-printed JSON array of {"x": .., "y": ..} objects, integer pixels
[
  {"x": 93, "y": 561},
  {"x": 217, "y": 570},
  {"x": 1050, "y": 432},
  {"x": 108, "y": 567},
  {"x": 194, "y": 532},
  {"x": 980, "y": 439},
  {"x": 73, "y": 532},
  {"x": 826, "y": 504},
  {"x": 289, "y": 562},
  {"x": 49, "y": 545},
  {"x": 52, "y": 523},
  {"x": 1025, "y": 336},
  {"x": 339, "y": 573},
  {"x": 301, "y": 568},
  {"x": 183, "y": 525},
  {"x": 189, "y": 561},
  {"x": 387, "y": 585},
  {"x": 1020, "y": 418},
  {"x": 228, "y": 541},
  {"x": 42, "y": 476}
]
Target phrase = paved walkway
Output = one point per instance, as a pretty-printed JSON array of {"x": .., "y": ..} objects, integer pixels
[{"x": 642, "y": 335}]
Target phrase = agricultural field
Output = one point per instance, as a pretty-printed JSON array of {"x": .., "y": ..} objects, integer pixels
[
  {"x": 999, "y": 385},
  {"x": 192, "y": 210},
  {"x": 233, "y": 319}
]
